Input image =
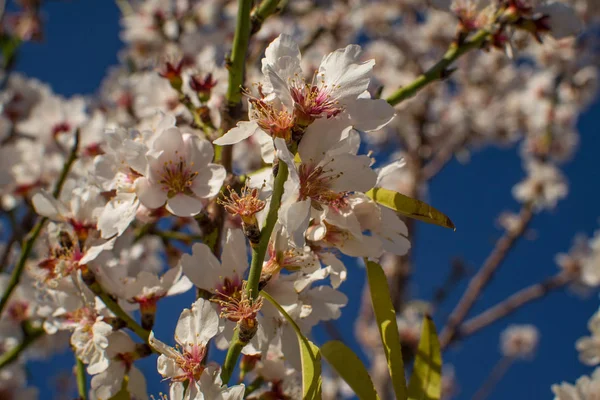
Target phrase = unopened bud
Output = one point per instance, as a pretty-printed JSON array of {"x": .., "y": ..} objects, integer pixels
[
  {"x": 172, "y": 72},
  {"x": 202, "y": 86}
]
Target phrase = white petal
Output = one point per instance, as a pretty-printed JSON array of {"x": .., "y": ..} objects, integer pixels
[
  {"x": 94, "y": 251},
  {"x": 202, "y": 267},
  {"x": 118, "y": 214},
  {"x": 150, "y": 195},
  {"x": 170, "y": 142},
  {"x": 206, "y": 320},
  {"x": 235, "y": 256},
  {"x": 295, "y": 218},
  {"x": 200, "y": 151},
  {"x": 209, "y": 181},
  {"x": 282, "y": 46},
  {"x": 48, "y": 206},
  {"x": 341, "y": 69},
  {"x": 184, "y": 206},
  {"x": 355, "y": 173},
  {"x": 267, "y": 148},
  {"x": 370, "y": 114},
  {"x": 243, "y": 130}
]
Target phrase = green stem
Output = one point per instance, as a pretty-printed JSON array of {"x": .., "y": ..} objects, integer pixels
[
  {"x": 81, "y": 379},
  {"x": 253, "y": 386},
  {"x": 258, "y": 257},
  {"x": 439, "y": 70},
  {"x": 259, "y": 251},
  {"x": 114, "y": 307},
  {"x": 238, "y": 53},
  {"x": 37, "y": 229},
  {"x": 12, "y": 354},
  {"x": 233, "y": 353},
  {"x": 180, "y": 236},
  {"x": 262, "y": 12}
]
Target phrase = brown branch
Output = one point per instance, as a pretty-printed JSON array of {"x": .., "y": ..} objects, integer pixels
[
  {"x": 503, "y": 247},
  {"x": 494, "y": 378},
  {"x": 513, "y": 303}
]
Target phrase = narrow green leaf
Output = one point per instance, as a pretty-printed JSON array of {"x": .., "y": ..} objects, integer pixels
[
  {"x": 388, "y": 329},
  {"x": 410, "y": 207},
  {"x": 122, "y": 394},
  {"x": 426, "y": 380},
  {"x": 350, "y": 369},
  {"x": 8, "y": 46},
  {"x": 309, "y": 354}
]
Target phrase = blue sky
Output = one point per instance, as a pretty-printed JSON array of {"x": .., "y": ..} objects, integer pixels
[{"x": 81, "y": 42}]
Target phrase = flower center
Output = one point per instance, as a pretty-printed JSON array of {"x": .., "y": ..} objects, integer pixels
[
  {"x": 177, "y": 178},
  {"x": 190, "y": 362},
  {"x": 315, "y": 184},
  {"x": 62, "y": 127},
  {"x": 277, "y": 123},
  {"x": 314, "y": 100},
  {"x": 63, "y": 259}
]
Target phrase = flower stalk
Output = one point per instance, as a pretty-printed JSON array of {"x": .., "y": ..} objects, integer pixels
[
  {"x": 81, "y": 379},
  {"x": 31, "y": 335},
  {"x": 258, "y": 257},
  {"x": 113, "y": 306},
  {"x": 440, "y": 70}
]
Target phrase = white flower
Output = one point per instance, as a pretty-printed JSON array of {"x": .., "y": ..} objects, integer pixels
[
  {"x": 179, "y": 173},
  {"x": 79, "y": 205},
  {"x": 90, "y": 340},
  {"x": 210, "y": 387},
  {"x": 185, "y": 363},
  {"x": 589, "y": 346},
  {"x": 54, "y": 116},
  {"x": 109, "y": 382},
  {"x": 328, "y": 172},
  {"x": 338, "y": 89},
  {"x": 586, "y": 388},
  {"x": 544, "y": 186},
  {"x": 147, "y": 288},
  {"x": 519, "y": 341},
  {"x": 206, "y": 272}
]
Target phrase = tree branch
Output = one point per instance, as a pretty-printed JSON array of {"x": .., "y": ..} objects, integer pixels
[
  {"x": 513, "y": 303},
  {"x": 440, "y": 70},
  {"x": 503, "y": 246}
]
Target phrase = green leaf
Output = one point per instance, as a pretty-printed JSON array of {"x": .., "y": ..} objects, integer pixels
[
  {"x": 309, "y": 354},
  {"x": 410, "y": 207},
  {"x": 350, "y": 369},
  {"x": 8, "y": 45},
  {"x": 426, "y": 380},
  {"x": 122, "y": 394},
  {"x": 388, "y": 329}
]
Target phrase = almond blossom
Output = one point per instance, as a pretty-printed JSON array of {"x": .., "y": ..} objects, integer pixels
[
  {"x": 179, "y": 173},
  {"x": 288, "y": 100},
  {"x": 196, "y": 326}
]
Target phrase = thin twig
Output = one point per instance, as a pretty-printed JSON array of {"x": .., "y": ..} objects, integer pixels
[
  {"x": 513, "y": 303},
  {"x": 493, "y": 378},
  {"x": 30, "y": 337},
  {"x": 261, "y": 13},
  {"x": 90, "y": 280},
  {"x": 440, "y": 70},
  {"x": 503, "y": 247},
  {"x": 37, "y": 229}
]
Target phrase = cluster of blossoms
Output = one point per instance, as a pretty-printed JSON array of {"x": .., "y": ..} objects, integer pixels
[{"x": 163, "y": 185}]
